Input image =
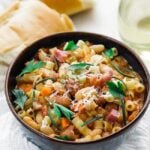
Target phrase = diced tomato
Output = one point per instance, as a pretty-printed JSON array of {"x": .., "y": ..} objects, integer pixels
[
  {"x": 60, "y": 55},
  {"x": 113, "y": 115}
]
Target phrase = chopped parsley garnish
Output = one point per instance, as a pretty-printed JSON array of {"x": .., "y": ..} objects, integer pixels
[
  {"x": 79, "y": 66},
  {"x": 60, "y": 111},
  {"x": 70, "y": 46},
  {"x": 117, "y": 90},
  {"x": 110, "y": 53},
  {"x": 32, "y": 66},
  {"x": 21, "y": 98}
]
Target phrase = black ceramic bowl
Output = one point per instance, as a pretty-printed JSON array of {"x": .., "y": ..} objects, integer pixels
[{"x": 42, "y": 140}]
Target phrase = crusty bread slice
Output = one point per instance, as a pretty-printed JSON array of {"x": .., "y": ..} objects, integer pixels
[{"x": 27, "y": 21}]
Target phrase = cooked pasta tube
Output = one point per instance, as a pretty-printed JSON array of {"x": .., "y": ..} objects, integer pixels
[
  {"x": 31, "y": 122},
  {"x": 116, "y": 129},
  {"x": 130, "y": 105},
  {"x": 78, "y": 124},
  {"x": 139, "y": 88}
]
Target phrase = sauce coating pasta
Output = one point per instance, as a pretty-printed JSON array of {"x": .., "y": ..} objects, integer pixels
[{"x": 78, "y": 91}]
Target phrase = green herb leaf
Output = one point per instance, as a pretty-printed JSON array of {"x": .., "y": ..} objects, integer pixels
[
  {"x": 64, "y": 111},
  {"x": 52, "y": 120},
  {"x": 109, "y": 53},
  {"x": 43, "y": 80},
  {"x": 32, "y": 65},
  {"x": 57, "y": 111},
  {"x": 79, "y": 66},
  {"x": 117, "y": 90},
  {"x": 124, "y": 71},
  {"x": 126, "y": 88},
  {"x": 70, "y": 46},
  {"x": 91, "y": 120},
  {"x": 20, "y": 97},
  {"x": 66, "y": 138}
]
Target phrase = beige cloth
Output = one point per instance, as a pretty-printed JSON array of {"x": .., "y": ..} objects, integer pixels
[{"x": 23, "y": 23}]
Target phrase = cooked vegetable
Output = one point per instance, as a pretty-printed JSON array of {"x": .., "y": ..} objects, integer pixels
[
  {"x": 46, "y": 91},
  {"x": 25, "y": 87},
  {"x": 64, "y": 123}
]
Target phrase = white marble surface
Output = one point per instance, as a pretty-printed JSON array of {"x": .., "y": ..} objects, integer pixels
[{"x": 102, "y": 19}]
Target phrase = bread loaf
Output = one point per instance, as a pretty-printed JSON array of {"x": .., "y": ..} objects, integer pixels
[{"x": 27, "y": 21}]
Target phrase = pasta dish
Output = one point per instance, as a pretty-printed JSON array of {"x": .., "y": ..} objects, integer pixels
[{"x": 78, "y": 91}]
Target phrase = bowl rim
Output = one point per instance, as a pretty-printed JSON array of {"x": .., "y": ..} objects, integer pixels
[{"x": 38, "y": 133}]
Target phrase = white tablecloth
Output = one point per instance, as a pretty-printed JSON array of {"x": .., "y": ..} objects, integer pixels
[{"x": 102, "y": 19}]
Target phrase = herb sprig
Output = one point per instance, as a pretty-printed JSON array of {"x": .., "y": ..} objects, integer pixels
[
  {"x": 43, "y": 80},
  {"x": 117, "y": 90},
  {"x": 70, "y": 46},
  {"x": 32, "y": 65},
  {"x": 122, "y": 71},
  {"x": 52, "y": 120},
  {"x": 110, "y": 53},
  {"x": 91, "y": 120},
  {"x": 21, "y": 98},
  {"x": 60, "y": 111},
  {"x": 66, "y": 138},
  {"x": 79, "y": 66}
]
